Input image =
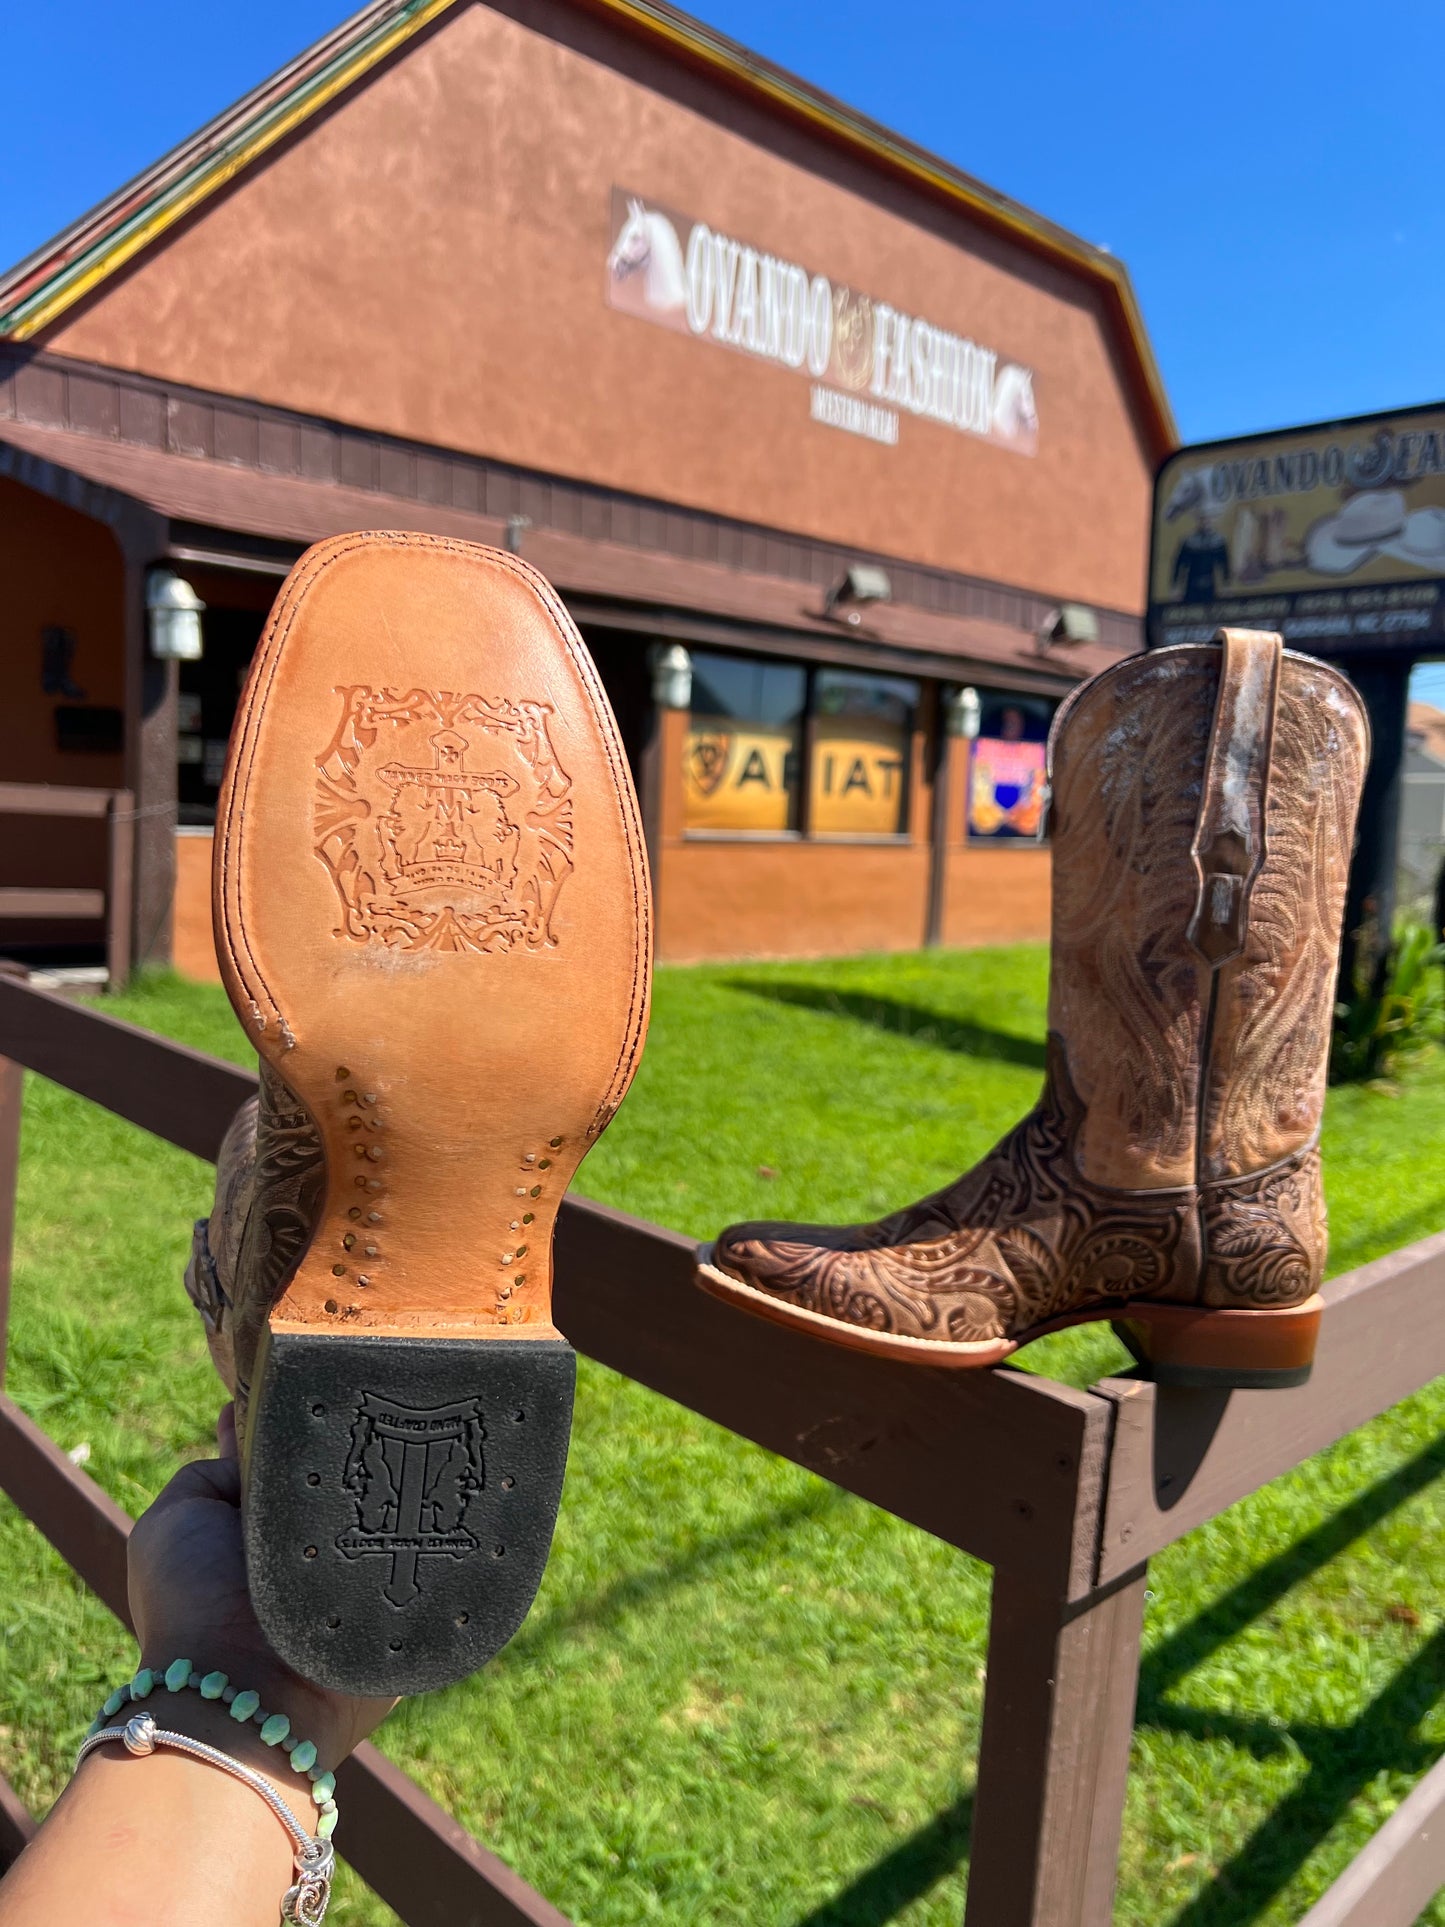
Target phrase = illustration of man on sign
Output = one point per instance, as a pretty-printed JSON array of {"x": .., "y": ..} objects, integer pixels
[{"x": 1200, "y": 562}]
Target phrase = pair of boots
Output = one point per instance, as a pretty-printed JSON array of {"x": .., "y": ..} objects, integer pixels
[{"x": 431, "y": 911}]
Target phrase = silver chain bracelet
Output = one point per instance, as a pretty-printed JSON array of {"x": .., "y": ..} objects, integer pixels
[{"x": 304, "y": 1902}]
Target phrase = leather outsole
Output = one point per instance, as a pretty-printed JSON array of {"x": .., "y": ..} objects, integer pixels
[{"x": 432, "y": 914}]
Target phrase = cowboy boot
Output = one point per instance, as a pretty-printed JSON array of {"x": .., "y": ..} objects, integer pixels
[
  {"x": 1204, "y": 802},
  {"x": 431, "y": 915}
]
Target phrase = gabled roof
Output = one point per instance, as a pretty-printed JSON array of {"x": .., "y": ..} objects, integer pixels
[{"x": 41, "y": 288}]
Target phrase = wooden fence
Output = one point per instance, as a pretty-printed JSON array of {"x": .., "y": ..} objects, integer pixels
[
  {"x": 111, "y": 905},
  {"x": 1066, "y": 1494}
]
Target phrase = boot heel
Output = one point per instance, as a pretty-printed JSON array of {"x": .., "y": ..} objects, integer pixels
[
  {"x": 400, "y": 1500},
  {"x": 1194, "y": 1345}
]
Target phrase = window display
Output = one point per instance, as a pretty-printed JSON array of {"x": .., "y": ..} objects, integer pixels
[
  {"x": 862, "y": 734},
  {"x": 744, "y": 744}
]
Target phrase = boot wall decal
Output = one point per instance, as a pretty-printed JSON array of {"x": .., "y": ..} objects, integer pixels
[{"x": 1203, "y": 811}]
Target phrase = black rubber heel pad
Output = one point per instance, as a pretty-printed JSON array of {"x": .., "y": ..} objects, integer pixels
[{"x": 400, "y": 1499}]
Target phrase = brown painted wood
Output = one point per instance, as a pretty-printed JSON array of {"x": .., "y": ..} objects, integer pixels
[
  {"x": 416, "y": 1856},
  {"x": 894, "y": 1435},
  {"x": 83, "y": 1523},
  {"x": 12, "y": 1080},
  {"x": 17, "y": 1828},
  {"x": 52, "y": 799},
  {"x": 1054, "y": 1758},
  {"x": 1182, "y": 1456},
  {"x": 1392, "y": 1881},
  {"x": 120, "y": 860},
  {"x": 19, "y": 902},
  {"x": 1001, "y": 1463},
  {"x": 179, "y": 1094},
  {"x": 423, "y": 1862}
]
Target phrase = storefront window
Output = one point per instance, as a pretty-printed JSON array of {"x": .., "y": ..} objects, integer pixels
[
  {"x": 1006, "y": 769},
  {"x": 862, "y": 731},
  {"x": 744, "y": 744}
]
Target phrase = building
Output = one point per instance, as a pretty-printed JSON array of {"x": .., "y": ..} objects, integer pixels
[
  {"x": 1422, "y": 808},
  {"x": 841, "y": 460}
]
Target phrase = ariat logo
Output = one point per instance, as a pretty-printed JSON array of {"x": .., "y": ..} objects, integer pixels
[
  {"x": 445, "y": 821},
  {"x": 413, "y": 1474}
]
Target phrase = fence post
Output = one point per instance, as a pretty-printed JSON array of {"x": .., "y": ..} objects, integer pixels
[
  {"x": 1054, "y": 1759},
  {"x": 11, "y": 1084},
  {"x": 120, "y": 863}
]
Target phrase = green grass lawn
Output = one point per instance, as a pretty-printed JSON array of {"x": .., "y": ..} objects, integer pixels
[{"x": 744, "y": 1697}]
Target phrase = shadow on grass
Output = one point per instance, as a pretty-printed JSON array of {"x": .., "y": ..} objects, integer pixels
[
  {"x": 914, "y": 1021},
  {"x": 903, "y": 1876},
  {"x": 1342, "y": 1761},
  {"x": 652, "y": 1581}
]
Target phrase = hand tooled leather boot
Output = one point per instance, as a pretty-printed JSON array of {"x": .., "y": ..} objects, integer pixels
[
  {"x": 431, "y": 911},
  {"x": 1204, "y": 802}
]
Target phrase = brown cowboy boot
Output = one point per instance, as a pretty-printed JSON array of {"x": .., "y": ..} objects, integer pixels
[
  {"x": 432, "y": 918},
  {"x": 1204, "y": 803}
]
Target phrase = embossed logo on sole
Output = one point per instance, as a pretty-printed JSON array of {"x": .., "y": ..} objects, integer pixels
[
  {"x": 445, "y": 821},
  {"x": 413, "y": 1473}
]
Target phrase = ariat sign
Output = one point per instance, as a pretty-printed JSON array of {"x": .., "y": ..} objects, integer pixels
[{"x": 869, "y": 363}]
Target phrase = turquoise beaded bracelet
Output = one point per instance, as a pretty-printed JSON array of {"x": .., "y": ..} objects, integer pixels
[{"x": 245, "y": 1707}]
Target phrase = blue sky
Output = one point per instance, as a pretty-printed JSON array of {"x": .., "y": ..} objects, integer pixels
[{"x": 1267, "y": 168}]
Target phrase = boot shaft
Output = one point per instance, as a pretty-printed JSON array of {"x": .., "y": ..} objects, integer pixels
[{"x": 1204, "y": 802}]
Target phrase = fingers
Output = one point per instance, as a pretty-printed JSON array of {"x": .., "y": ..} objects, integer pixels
[{"x": 202, "y": 1479}]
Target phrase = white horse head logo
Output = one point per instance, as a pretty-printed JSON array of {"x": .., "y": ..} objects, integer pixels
[
  {"x": 648, "y": 244},
  {"x": 1015, "y": 418}
]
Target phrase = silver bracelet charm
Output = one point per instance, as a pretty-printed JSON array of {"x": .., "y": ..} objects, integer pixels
[{"x": 305, "y": 1901}]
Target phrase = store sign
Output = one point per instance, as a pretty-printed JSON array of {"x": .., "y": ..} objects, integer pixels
[
  {"x": 741, "y": 777},
  {"x": 868, "y": 364},
  {"x": 738, "y": 777},
  {"x": 1006, "y": 789},
  {"x": 1334, "y": 535}
]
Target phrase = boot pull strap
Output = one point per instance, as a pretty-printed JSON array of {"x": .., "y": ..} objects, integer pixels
[{"x": 1228, "y": 844}]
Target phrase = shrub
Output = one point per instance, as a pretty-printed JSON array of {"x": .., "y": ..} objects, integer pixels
[{"x": 1390, "y": 1014}]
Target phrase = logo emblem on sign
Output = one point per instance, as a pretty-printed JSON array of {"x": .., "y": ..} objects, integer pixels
[
  {"x": 413, "y": 1473},
  {"x": 709, "y": 755},
  {"x": 445, "y": 821}
]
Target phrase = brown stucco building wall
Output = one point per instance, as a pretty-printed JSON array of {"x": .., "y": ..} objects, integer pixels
[
  {"x": 451, "y": 288},
  {"x": 416, "y": 279}
]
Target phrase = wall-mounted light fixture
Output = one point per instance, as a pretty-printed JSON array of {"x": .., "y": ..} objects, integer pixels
[
  {"x": 671, "y": 676},
  {"x": 1069, "y": 624},
  {"x": 174, "y": 611},
  {"x": 962, "y": 712},
  {"x": 860, "y": 583}
]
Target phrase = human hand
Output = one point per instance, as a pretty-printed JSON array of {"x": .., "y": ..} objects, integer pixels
[{"x": 189, "y": 1597}]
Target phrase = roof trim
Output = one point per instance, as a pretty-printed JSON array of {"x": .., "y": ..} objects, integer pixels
[{"x": 41, "y": 288}]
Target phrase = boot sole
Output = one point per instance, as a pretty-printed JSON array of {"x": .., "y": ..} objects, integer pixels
[
  {"x": 432, "y": 917},
  {"x": 1175, "y": 1344}
]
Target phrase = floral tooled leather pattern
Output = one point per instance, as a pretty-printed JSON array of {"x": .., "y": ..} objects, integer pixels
[
  {"x": 269, "y": 1178},
  {"x": 1265, "y": 1085},
  {"x": 1126, "y": 991},
  {"x": 1264, "y": 1236},
  {"x": 1017, "y": 1241}
]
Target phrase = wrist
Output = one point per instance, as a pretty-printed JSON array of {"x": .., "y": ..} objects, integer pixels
[{"x": 210, "y": 1721}]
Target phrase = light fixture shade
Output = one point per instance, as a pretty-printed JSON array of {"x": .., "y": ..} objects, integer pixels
[
  {"x": 671, "y": 676},
  {"x": 174, "y": 612},
  {"x": 963, "y": 712}
]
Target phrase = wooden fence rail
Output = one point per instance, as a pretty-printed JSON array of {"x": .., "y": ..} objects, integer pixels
[
  {"x": 113, "y": 903},
  {"x": 1066, "y": 1494}
]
